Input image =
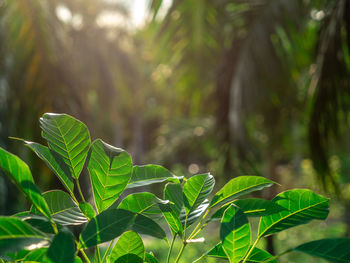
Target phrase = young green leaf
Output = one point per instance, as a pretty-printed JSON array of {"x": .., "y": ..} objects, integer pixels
[
  {"x": 239, "y": 186},
  {"x": 173, "y": 220},
  {"x": 106, "y": 226},
  {"x": 18, "y": 171},
  {"x": 55, "y": 162},
  {"x": 332, "y": 249},
  {"x": 150, "y": 174},
  {"x": 143, "y": 203},
  {"x": 16, "y": 234},
  {"x": 110, "y": 170},
  {"x": 235, "y": 234},
  {"x": 301, "y": 206},
  {"x": 196, "y": 189},
  {"x": 63, "y": 209},
  {"x": 68, "y": 137},
  {"x": 62, "y": 248},
  {"x": 251, "y": 207},
  {"x": 129, "y": 242},
  {"x": 149, "y": 258}
]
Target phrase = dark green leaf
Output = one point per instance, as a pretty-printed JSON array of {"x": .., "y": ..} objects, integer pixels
[
  {"x": 149, "y": 258},
  {"x": 129, "y": 258},
  {"x": 173, "y": 193},
  {"x": 172, "y": 219},
  {"x": 110, "y": 171},
  {"x": 235, "y": 234},
  {"x": 87, "y": 210},
  {"x": 146, "y": 226},
  {"x": 258, "y": 255},
  {"x": 129, "y": 242},
  {"x": 62, "y": 248},
  {"x": 150, "y": 174},
  {"x": 68, "y": 137},
  {"x": 55, "y": 162},
  {"x": 332, "y": 249},
  {"x": 16, "y": 235},
  {"x": 217, "y": 252},
  {"x": 196, "y": 189},
  {"x": 19, "y": 172},
  {"x": 143, "y": 203},
  {"x": 301, "y": 205},
  {"x": 63, "y": 209},
  {"x": 239, "y": 186},
  {"x": 39, "y": 222},
  {"x": 106, "y": 226}
]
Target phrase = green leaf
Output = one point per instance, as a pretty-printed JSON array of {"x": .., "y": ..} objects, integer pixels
[
  {"x": 19, "y": 172},
  {"x": 77, "y": 260},
  {"x": 196, "y": 189},
  {"x": 302, "y": 206},
  {"x": 36, "y": 255},
  {"x": 68, "y": 137},
  {"x": 194, "y": 215},
  {"x": 251, "y": 207},
  {"x": 173, "y": 193},
  {"x": 39, "y": 222},
  {"x": 239, "y": 186},
  {"x": 258, "y": 255},
  {"x": 63, "y": 209},
  {"x": 16, "y": 234},
  {"x": 129, "y": 258},
  {"x": 146, "y": 226},
  {"x": 106, "y": 226},
  {"x": 149, "y": 258},
  {"x": 150, "y": 174},
  {"x": 143, "y": 203},
  {"x": 235, "y": 234},
  {"x": 332, "y": 249},
  {"x": 129, "y": 242},
  {"x": 87, "y": 210},
  {"x": 110, "y": 171},
  {"x": 217, "y": 252},
  {"x": 62, "y": 248},
  {"x": 55, "y": 162}
]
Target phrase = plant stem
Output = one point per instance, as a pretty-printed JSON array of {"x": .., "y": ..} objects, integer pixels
[
  {"x": 181, "y": 251},
  {"x": 106, "y": 253},
  {"x": 79, "y": 189},
  {"x": 251, "y": 249},
  {"x": 171, "y": 248},
  {"x": 97, "y": 254},
  {"x": 198, "y": 259},
  {"x": 194, "y": 233},
  {"x": 85, "y": 256}
]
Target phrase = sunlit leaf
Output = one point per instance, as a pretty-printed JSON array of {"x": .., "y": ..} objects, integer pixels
[
  {"x": 106, "y": 226},
  {"x": 110, "y": 171},
  {"x": 145, "y": 225},
  {"x": 19, "y": 173},
  {"x": 143, "y": 203},
  {"x": 36, "y": 255},
  {"x": 239, "y": 186},
  {"x": 331, "y": 249},
  {"x": 258, "y": 255},
  {"x": 15, "y": 234},
  {"x": 301, "y": 205},
  {"x": 87, "y": 210},
  {"x": 194, "y": 215},
  {"x": 149, "y": 258},
  {"x": 173, "y": 192},
  {"x": 150, "y": 174},
  {"x": 68, "y": 137},
  {"x": 55, "y": 162},
  {"x": 196, "y": 189},
  {"x": 62, "y": 248},
  {"x": 235, "y": 234},
  {"x": 63, "y": 209},
  {"x": 129, "y": 258},
  {"x": 217, "y": 252},
  {"x": 129, "y": 242}
]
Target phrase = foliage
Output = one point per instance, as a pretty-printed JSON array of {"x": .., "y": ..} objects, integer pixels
[{"x": 45, "y": 232}]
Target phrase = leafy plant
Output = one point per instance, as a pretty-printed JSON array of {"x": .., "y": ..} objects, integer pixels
[{"x": 45, "y": 232}]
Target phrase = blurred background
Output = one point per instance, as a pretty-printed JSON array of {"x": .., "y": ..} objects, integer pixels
[{"x": 236, "y": 87}]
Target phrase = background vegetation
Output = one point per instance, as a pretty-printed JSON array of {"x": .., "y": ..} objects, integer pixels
[{"x": 231, "y": 87}]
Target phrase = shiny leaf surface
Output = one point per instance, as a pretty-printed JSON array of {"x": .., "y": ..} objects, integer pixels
[{"x": 129, "y": 242}]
